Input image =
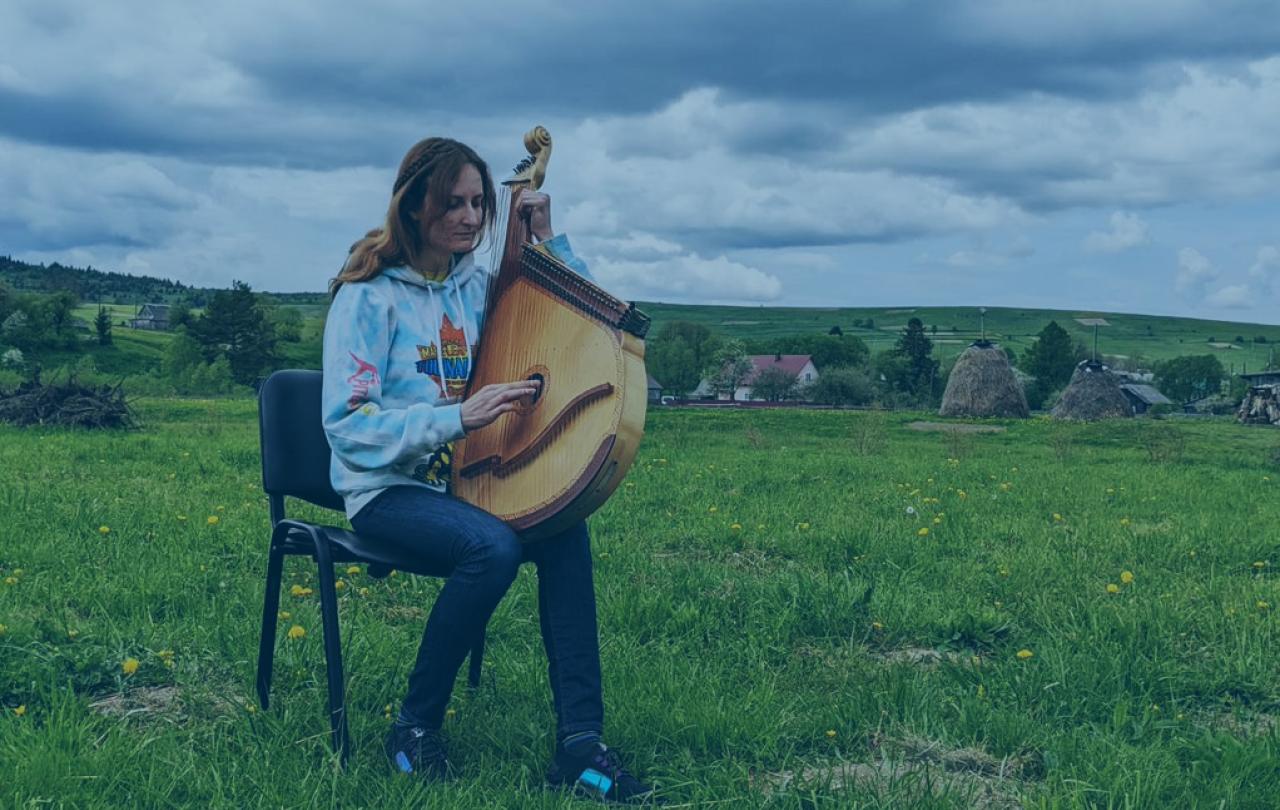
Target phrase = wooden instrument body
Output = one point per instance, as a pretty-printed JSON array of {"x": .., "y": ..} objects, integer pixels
[{"x": 555, "y": 460}]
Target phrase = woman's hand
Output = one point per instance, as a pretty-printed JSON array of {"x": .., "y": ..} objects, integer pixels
[
  {"x": 535, "y": 208},
  {"x": 493, "y": 401}
]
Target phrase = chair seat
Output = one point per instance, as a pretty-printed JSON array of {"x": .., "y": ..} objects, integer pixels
[{"x": 346, "y": 546}]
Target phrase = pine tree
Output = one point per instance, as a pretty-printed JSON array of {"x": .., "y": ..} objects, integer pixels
[
  {"x": 234, "y": 326},
  {"x": 102, "y": 324},
  {"x": 916, "y": 375},
  {"x": 1051, "y": 360}
]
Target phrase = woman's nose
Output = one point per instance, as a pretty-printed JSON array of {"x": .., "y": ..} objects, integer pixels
[{"x": 474, "y": 213}]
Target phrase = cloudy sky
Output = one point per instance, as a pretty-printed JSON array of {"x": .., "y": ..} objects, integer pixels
[{"x": 1119, "y": 155}]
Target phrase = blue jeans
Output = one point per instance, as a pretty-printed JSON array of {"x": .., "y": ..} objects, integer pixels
[{"x": 479, "y": 555}]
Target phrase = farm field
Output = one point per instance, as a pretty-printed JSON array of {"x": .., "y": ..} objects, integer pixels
[{"x": 797, "y": 608}]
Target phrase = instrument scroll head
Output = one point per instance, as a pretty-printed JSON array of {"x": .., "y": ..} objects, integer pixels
[{"x": 530, "y": 172}]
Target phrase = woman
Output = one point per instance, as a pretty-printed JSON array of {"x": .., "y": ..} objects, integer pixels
[{"x": 406, "y": 316}]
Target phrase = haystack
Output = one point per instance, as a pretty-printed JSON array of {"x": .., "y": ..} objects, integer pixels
[
  {"x": 1094, "y": 393},
  {"x": 1261, "y": 406},
  {"x": 983, "y": 384}
]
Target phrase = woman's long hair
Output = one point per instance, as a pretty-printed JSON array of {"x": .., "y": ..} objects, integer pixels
[{"x": 429, "y": 171}]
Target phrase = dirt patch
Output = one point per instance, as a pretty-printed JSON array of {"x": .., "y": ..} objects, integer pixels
[
  {"x": 906, "y": 770},
  {"x": 955, "y": 427},
  {"x": 1253, "y": 724},
  {"x": 146, "y": 701},
  {"x": 922, "y": 656}
]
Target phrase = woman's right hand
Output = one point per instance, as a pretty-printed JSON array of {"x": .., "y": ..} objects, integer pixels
[{"x": 492, "y": 401}]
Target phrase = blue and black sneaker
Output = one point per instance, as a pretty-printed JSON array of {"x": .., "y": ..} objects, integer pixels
[
  {"x": 596, "y": 770},
  {"x": 417, "y": 750}
]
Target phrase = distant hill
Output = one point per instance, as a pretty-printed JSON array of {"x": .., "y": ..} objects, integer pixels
[
  {"x": 1239, "y": 346},
  {"x": 98, "y": 286}
]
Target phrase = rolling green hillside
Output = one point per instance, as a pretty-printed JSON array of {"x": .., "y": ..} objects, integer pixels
[
  {"x": 1240, "y": 346},
  {"x": 1154, "y": 337}
]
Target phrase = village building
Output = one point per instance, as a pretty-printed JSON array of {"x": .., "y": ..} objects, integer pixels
[
  {"x": 655, "y": 389},
  {"x": 799, "y": 366},
  {"x": 1257, "y": 378},
  {"x": 152, "y": 316},
  {"x": 1143, "y": 397}
]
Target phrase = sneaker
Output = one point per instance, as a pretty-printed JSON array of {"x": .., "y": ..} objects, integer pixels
[
  {"x": 416, "y": 750},
  {"x": 598, "y": 772}
]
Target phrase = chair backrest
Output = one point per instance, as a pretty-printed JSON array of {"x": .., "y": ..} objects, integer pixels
[{"x": 295, "y": 451}]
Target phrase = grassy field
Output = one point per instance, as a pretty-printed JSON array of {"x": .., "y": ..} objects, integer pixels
[
  {"x": 798, "y": 609},
  {"x": 1147, "y": 337},
  {"x": 1154, "y": 337}
]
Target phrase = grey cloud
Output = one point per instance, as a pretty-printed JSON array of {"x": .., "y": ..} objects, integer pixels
[{"x": 354, "y": 73}]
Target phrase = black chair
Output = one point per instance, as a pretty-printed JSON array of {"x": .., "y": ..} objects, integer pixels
[{"x": 295, "y": 463}]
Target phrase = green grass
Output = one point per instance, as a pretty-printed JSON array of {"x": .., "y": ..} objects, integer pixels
[{"x": 732, "y": 656}]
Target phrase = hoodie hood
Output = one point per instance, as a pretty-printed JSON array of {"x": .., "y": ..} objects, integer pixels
[{"x": 463, "y": 267}]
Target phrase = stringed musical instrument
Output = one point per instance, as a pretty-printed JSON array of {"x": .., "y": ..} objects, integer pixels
[{"x": 561, "y": 454}]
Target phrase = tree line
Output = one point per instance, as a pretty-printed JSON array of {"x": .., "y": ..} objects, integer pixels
[
  {"x": 682, "y": 354},
  {"x": 233, "y": 342}
]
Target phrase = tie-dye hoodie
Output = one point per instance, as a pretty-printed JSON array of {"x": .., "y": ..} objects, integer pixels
[{"x": 397, "y": 356}]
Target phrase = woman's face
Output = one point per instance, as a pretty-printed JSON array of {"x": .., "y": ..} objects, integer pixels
[{"x": 458, "y": 228}]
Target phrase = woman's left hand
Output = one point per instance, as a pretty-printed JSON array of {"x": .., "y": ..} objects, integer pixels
[{"x": 535, "y": 208}]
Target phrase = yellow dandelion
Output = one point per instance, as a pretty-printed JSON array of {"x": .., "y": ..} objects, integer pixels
[
  {"x": 1124, "y": 521},
  {"x": 831, "y": 734},
  {"x": 212, "y": 520},
  {"x": 924, "y": 532},
  {"x": 129, "y": 666},
  {"x": 1057, "y": 518},
  {"x": 104, "y": 530},
  {"x": 364, "y": 591},
  {"x": 1262, "y": 605},
  {"x": 339, "y": 585},
  {"x": 604, "y": 555},
  {"x": 877, "y": 626},
  {"x": 1126, "y": 577},
  {"x": 298, "y": 590},
  {"x": 712, "y": 509},
  {"x": 1260, "y": 564},
  {"x": 1005, "y": 487},
  {"x": 72, "y": 633},
  {"x": 11, "y": 580},
  {"x": 3, "y": 629},
  {"x": 1113, "y": 588},
  {"x": 182, "y": 517},
  {"x": 448, "y": 713},
  {"x": 961, "y": 493},
  {"x": 802, "y": 526},
  {"x": 297, "y": 631},
  {"x": 353, "y": 570},
  {"x": 21, "y": 710},
  {"x": 1002, "y": 571},
  {"x": 736, "y": 527},
  {"x": 937, "y": 520},
  {"x": 1023, "y": 655}
]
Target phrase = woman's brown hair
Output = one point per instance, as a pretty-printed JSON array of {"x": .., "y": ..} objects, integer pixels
[{"x": 428, "y": 172}]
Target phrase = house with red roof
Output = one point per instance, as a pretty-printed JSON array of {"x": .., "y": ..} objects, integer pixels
[{"x": 799, "y": 366}]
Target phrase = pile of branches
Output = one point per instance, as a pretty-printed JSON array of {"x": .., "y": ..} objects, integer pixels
[{"x": 66, "y": 403}]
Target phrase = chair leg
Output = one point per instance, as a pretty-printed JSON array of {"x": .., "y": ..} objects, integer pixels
[
  {"x": 270, "y": 609},
  {"x": 332, "y": 647},
  {"x": 477, "y": 656}
]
